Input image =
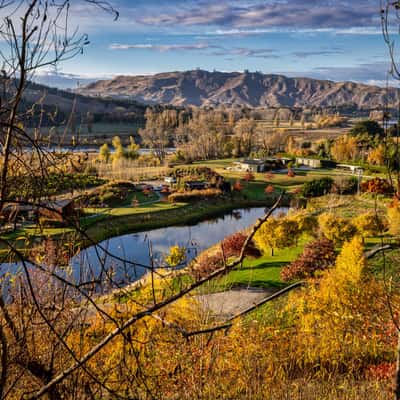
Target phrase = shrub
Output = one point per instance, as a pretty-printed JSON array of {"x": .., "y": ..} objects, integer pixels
[
  {"x": 206, "y": 264},
  {"x": 377, "y": 185},
  {"x": 269, "y": 189},
  {"x": 317, "y": 187},
  {"x": 237, "y": 187},
  {"x": 345, "y": 185},
  {"x": 291, "y": 173},
  {"x": 317, "y": 255},
  {"x": 233, "y": 244},
  {"x": 195, "y": 195},
  {"x": 249, "y": 177}
]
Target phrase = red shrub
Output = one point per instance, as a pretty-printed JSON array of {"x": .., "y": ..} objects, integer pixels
[
  {"x": 269, "y": 189},
  {"x": 317, "y": 255},
  {"x": 377, "y": 185},
  {"x": 233, "y": 244},
  {"x": 249, "y": 177},
  {"x": 238, "y": 187},
  {"x": 382, "y": 372},
  {"x": 291, "y": 173},
  {"x": 206, "y": 265}
]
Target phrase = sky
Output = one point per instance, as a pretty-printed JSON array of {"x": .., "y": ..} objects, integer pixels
[{"x": 328, "y": 39}]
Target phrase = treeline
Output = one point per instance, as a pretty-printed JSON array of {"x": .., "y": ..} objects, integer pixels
[{"x": 200, "y": 133}]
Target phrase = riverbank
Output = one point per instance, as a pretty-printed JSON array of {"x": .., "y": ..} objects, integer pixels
[
  {"x": 187, "y": 214},
  {"x": 134, "y": 220}
]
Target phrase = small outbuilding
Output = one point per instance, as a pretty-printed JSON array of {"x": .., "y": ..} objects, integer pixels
[
  {"x": 254, "y": 165},
  {"x": 58, "y": 210},
  {"x": 309, "y": 162},
  {"x": 196, "y": 185}
]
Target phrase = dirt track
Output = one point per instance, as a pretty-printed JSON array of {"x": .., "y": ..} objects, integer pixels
[{"x": 227, "y": 304}]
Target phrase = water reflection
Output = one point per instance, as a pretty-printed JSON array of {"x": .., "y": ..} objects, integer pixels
[{"x": 135, "y": 248}]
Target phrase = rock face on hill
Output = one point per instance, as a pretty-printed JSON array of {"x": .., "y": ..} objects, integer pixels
[{"x": 203, "y": 88}]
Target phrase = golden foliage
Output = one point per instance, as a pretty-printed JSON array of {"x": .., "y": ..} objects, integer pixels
[{"x": 337, "y": 229}]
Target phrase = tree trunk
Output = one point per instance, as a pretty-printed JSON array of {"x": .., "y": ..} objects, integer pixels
[{"x": 397, "y": 376}]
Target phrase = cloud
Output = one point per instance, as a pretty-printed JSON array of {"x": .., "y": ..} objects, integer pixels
[
  {"x": 314, "y": 53},
  {"x": 371, "y": 73},
  {"x": 216, "y": 50},
  {"x": 162, "y": 47},
  {"x": 254, "y": 17}
]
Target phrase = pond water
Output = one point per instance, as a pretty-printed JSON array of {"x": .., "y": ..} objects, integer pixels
[
  {"x": 135, "y": 247},
  {"x": 122, "y": 259}
]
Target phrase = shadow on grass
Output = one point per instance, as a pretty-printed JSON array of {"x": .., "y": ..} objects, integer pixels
[
  {"x": 266, "y": 265},
  {"x": 267, "y": 284}
]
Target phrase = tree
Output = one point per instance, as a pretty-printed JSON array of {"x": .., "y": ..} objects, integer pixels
[
  {"x": 133, "y": 149},
  {"x": 119, "y": 151},
  {"x": 244, "y": 133},
  {"x": 104, "y": 153},
  {"x": 393, "y": 217},
  {"x": 317, "y": 256},
  {"x": 36, "y": 305},
  {"x": 336, "y": 229},
  {"x": 317, "y": 187},
  {"x": 277, "y": 233},
  {"x": 176, "y": 256},
  {"x": 368, "y": 224},
  {"x": 367, "y": 127},
  {"x": 345, "y": 148}
]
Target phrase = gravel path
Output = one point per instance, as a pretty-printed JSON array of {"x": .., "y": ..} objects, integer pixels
[{"x": 227, "y": 304}]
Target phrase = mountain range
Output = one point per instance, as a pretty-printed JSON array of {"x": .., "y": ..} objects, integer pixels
[{"x": 251, "y": 89}]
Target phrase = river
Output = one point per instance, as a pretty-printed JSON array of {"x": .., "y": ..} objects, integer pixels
[{"x": 135, "y": 247}]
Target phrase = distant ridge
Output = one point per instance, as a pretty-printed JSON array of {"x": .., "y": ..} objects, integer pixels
[{"x": 252, "y": 89}]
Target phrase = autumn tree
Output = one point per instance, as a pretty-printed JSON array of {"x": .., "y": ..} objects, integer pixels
[
  {"x": 335, "y": 228},
  {"x": 317, "y": 256},
  {"x": 345, "y": 148},
  {"x": 277, "y": 233},
  {"x": 368, "y": 224},
  {"x": 244, "y": 134},
  {"x": 104, "y": 153}
]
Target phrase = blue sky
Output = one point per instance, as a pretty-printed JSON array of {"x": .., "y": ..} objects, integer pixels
[{"x": 332, "y": 39}]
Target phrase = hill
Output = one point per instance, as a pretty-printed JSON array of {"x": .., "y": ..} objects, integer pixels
[
  {"x": 59, "y": 105},
  {"x": 251, "y": 89}
]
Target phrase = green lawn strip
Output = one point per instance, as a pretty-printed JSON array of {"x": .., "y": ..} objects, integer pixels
[{"x": 263, "y": 272}]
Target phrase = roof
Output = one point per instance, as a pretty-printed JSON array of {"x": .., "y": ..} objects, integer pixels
[
  {"x": 57, "y": 204},
  {"x": 253, "y": 162},
  {"x": 195, "y": 183}
]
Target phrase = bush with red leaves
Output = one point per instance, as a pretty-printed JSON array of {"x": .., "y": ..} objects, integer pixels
[
  {"x": 317, "y": 255},
  {"x": 249, "y": 177},
  {"x": 269, "y": 189},
  {"x": 377, "y": 185},
  {"x": 233, "y": 244},
  {"x": 237, "y": 187},
  {"x": 206, "y": 265},
  {"x": 291, "y": 173}
]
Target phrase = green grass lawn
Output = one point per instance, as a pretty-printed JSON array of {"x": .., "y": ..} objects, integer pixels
[{"x": 263, "y": 272}]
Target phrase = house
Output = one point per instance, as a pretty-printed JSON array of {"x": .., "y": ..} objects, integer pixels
[
  {"x": 259, "y": 165},
  {"x": 196, "y": 185},
  {"x": 354, "y": 169},
  {"x": 309, "y": 162},
  {"x": 254, "y": 165},
  {"x": 170, "y": 179},
  {"x": 58, "y": 210}
]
